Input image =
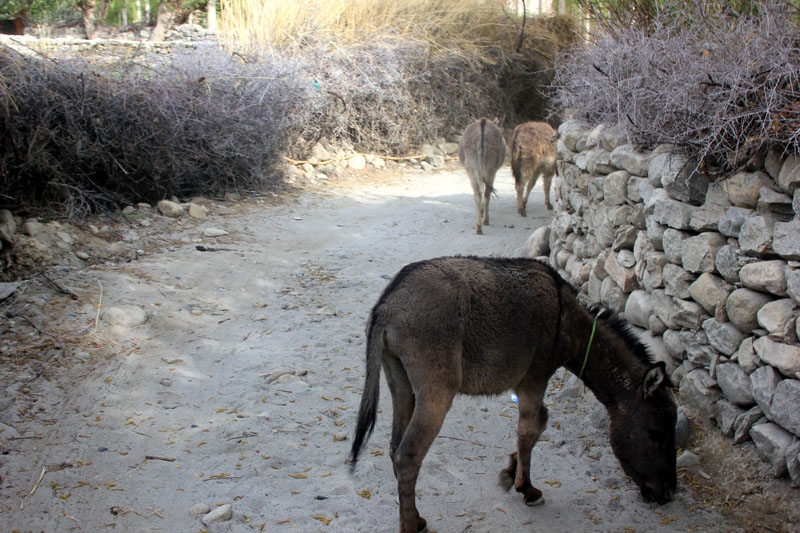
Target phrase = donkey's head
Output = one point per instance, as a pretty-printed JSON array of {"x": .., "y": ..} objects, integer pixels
[{"x": 643, "y": 436}]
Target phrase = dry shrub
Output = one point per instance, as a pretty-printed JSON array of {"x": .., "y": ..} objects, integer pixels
[
  {"x": 80, "y": 137},
  {"x": 711, "y": 82}
]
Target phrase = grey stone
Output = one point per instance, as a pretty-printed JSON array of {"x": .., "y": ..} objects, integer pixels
[
  {"x": 627, "y": 157},
  {"x": 698, "y": 352},
  {"x": 31, "y": 227},
  {"x": 785, "y": 405},
  {"x": 687, "y": 459},
  {"x": 689, "y": 314},
  {"x": 359, "y": 162},
  {"x": 683, "y": 429},
  {"x": 677, "y": 281},
  {"x": 673, "y": 214},
  {"x": 572, "y": 131},
  {"x": 700, "y": 390},
  {"x": 674, "y": 344},
  {"x": 642, "y": 246},
  {"x": 775, "y": 204},
  {"x": 687, "y": 183},
  {"x": 624, "y": 238},
  {"x": 773, "y": 162},
  {"x": 711, "y": 292},
  {"x": 707, "y": 218},
  {"x": 612, "y": 137},
  {"x": 672, "y": 242},
  {"x": 723, "y": 336},
  {"x": 625, "y": 278},
  {"x": 170, "y": 209},
  {"x": 793, "y": 282},
  {"x": 626, "y": 258},
  {"x": 656, "y": 325},
  {"x": 655, "y": 232},
  {"x": 638, "y": 308},
  {"x": 789, "y": 176},
  {"x": 653, "y": 275},
  {"x": 127, "y": 316},
  {"x": 735, "y": 385},
  {"x": 746, "y": 356},
  {"x": 726, "y": 416},
  {"x": 730, "y": 224},
  {"x": 699, "y": 252},
  {"x": 771, "y": 443},
  {"x": 434, "y": 160},
  {"x": 612, "y": 296},
  {"x": 197, "y": 210},
  {"x": 615, "y": 187},
  {"x": 775, "y": 315},
  {"x": 755, "y": 236},
  {"x": 763, "y": 381},
  {"x": 765, "y": 276},
  {"x": 564, "y": 153},
  {"x": 786, "y": 239},
  {"x": 745, "y": 422},
  {"x": 784, "y": 357},
  {"x": 635, "y": 185},
  {"x": 742, "y": 308},
  {"x": 729, "y": 262},
  {"x": 717, "y": 194},
  {"x": 793, "y": 462},
  {"x": 743, "y": 188},
  {"x": 538, "y": 244}
]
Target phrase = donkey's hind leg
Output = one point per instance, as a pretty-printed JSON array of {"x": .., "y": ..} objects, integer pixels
[
  {"x": 430, "y": 408},
  {"x": 402, "y": 399},
  {"x": 532, "y": 422}
]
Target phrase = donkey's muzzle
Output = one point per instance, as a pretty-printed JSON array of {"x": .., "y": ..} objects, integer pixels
[{"x": 660, "y": 494}]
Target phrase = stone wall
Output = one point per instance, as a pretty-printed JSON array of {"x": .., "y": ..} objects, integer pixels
[{"x": 707, "y": 269}]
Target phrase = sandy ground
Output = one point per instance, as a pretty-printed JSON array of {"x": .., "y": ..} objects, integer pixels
[{"x": 243, "y": 385}]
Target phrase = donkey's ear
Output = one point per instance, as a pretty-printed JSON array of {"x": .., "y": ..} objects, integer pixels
[{"x": 655, "y": 376}]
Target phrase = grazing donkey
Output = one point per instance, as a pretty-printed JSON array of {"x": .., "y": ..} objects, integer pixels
[
  {"x": 482, "y": 150},
  {"x": 533, "y": 153},
  {"x": 486, "y": 325}
]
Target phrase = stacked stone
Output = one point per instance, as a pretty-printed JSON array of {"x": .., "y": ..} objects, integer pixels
[{"x": 709, "y": 268}]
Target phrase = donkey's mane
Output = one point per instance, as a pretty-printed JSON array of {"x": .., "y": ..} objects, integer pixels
[{"x": 623, "y": 329}]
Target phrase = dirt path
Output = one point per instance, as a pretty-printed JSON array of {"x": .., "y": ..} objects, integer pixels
[{"x": 243, "y": 385}]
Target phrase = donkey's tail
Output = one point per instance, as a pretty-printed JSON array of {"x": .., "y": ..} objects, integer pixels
[{"x": 368, "y": 410}]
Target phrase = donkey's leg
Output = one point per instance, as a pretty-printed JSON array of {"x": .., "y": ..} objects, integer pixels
[
  {"x": 546, "y": 184},
  {"x": 429, "y": 413},
  {"x": 532, "y": 422},
  {"x": 402, "y": 399},
  {"x": 530, "y": 183},
  {"x": 488, "y": 187},
  {"x": 519, "y": 186},
  {"x": 477, "y": 194}
]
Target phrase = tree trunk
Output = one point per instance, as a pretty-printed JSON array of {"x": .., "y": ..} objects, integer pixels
[
  {"x": 211, "y": 15},
  {"x": 89, "y": 26},
  {"x": 164, "y": 21}
]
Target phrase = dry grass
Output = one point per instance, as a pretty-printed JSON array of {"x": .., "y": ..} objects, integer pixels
[{"x": 469, "y": 27}]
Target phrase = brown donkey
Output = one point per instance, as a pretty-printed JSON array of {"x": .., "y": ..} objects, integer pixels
[
  {"x": 482, "y": 151},
  {"x": 533, "y": 154},
  {"x": 486, "y": 325}
]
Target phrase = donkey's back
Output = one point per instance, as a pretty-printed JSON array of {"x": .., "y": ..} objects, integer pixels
[
  {"x": 472, "y": 319},
  {"x": 482, "y": 151}
]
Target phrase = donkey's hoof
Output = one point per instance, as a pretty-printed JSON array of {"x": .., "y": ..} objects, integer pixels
[
  {"x": 535, "y": 503},
  {"x": 533, "y": 496},
  {"x": 506, "y": 480}
]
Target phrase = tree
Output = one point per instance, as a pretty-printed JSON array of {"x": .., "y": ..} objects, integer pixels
[{"x": 87, "y": 8}]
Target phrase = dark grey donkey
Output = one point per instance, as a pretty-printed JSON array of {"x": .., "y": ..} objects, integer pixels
[
  {"x": 482, "y": 151},
  {"x": 486, "y": 325}
]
